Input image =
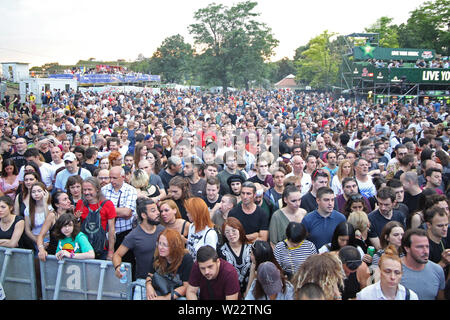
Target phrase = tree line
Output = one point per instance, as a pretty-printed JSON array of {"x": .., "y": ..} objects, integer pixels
[{"x": 233, "y": 49}]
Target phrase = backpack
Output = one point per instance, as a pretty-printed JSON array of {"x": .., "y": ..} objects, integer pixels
[
  {"x": 92, "y": 228},
  {"x": 220, "y": 240}
]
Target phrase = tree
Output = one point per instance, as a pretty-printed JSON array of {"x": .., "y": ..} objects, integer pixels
[
  {"x": 388, "y": 32},
  {"x": 233, "y": 46},
  {"x": 280, "y": 69},
  {"x": 172, "y": 60},
  {"x": 428, "y": 27},
  {"x": 319, "y": 64}
]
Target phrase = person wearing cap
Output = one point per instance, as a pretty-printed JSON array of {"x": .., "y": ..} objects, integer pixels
[
  {"x": 356, "y": 272},
  {"x": 72, "y": 168},
  {"x": 269, "y": 284}
]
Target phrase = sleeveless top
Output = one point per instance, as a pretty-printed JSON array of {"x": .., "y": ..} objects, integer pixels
[
  {"x": 351, "y": 287},
  {"x": 9, "y": 233}
]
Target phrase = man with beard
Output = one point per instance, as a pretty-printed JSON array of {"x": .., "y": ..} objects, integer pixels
[
  {"x": 350, "y": 188},
  {"x": 93, "y": 199},
  {"x": 196, "y": 183},
  {"x": 254, "y": 220},
  {"x": 142, "y": 241},
  {"x": 421, "y": 275},
  {"x": 383, "y": 214}
]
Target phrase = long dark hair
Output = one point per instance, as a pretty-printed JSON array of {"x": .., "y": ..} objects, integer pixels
[
  {"x": 9, "y": 162},
  {"x": 32, "y": 206},
  {"x": 72, "y": 180},
  {"x": 24, "y": 188},
  {"x": 35, "y": 167},
  {"x": 157, "y": 165},
  {"x": 64, "y": 220},
  {"x": 343, "y": 229}
]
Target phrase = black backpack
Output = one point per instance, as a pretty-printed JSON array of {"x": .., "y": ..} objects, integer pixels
[{"x": 92, "y": 228}]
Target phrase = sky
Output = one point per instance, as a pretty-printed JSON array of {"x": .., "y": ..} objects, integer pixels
[{"x": 65, "y": 31}]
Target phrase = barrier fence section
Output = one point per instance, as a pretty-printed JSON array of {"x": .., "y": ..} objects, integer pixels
[
  {"x": 17, "y": 275},
  {"x": 72, "y": 279}
]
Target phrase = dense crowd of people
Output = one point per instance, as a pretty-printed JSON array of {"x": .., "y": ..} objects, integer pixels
[
  {"x": 438, "y": 63},
  {"x": 257, "y": 195}
]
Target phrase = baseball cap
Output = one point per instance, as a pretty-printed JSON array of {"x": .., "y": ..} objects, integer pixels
[
  {"x": 269, "y": 277},
  {"x": 69, "y": 156}
]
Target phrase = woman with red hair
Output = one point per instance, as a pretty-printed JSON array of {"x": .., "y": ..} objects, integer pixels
[
  {"x": 201, "y": 230},
  {"x": 236, "y": 250},
  {"x": 172, "y": 261}
]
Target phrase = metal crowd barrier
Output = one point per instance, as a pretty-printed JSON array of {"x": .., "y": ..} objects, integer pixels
[
  {"x": 71, "y": 279},
  {"x": 17, "y": 275}
]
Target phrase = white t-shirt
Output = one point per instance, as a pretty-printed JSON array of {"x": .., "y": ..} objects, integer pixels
[
  {"x": 39, "y": 218},
  {"x": 374, "y": 292},
  {"x": 200, "y": 239},
  {"x": 46, "y": 171}
]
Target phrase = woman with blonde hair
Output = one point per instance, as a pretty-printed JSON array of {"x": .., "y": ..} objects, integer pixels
[
  {"x": 172, "y": 261},
  {"x": 345, "y": 170},
  {"x": 360, "y": 222},
  {"x": 201, "y": 230},
  {"x": 139, "y": 180},
  {"x": 324, "y": 270},
  {"x": 171, "y": 218},
  {"x": 167, "y": 147}
]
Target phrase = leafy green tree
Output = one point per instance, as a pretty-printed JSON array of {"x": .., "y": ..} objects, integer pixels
[
  {"x": 233, "y": 46},
  {"x": 387, "y": 30},
  {"x": 280, "y": 69},
  {"x": 172, "y": 60},
  {"x": 319, "y": 64},
  {"x": 428, "y": 27}
]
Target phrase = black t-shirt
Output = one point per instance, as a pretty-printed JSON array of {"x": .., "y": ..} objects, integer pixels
[
  {"x": 436, "y": 249},
  {"x": 254, "y": 222},
  {"x": 70, "y": 135},
  {"x": 378, "y": 221},
  {"x": 308, "y": 202},
  {"x": 412, "y": 202},
  {"x": 47, "y": 156},
  {"x": 90, "y": 167},
  {"x": 165, "y": 178},
  {"x": 19, "y": 160},
  {"x": 211, "y": 204}
]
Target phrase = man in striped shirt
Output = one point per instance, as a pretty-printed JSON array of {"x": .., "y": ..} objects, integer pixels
[{"x": 124, "y": 198}]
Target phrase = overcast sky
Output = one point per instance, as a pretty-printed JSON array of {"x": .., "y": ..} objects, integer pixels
[{"x": 66, "y": 31}]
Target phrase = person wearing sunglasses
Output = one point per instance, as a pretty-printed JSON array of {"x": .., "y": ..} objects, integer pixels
[{"x": 356, "y": 272}]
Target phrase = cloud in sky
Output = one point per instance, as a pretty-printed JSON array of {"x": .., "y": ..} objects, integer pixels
[{"x": 66, "y": 31}]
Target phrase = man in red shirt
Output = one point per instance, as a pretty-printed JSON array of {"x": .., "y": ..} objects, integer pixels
[{"x": 93, "y": 196}]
